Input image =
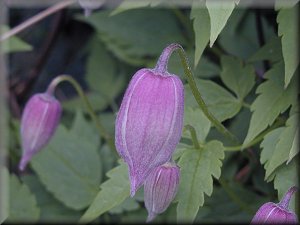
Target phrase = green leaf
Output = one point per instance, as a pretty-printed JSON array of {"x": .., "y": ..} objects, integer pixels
[
  {"x": 280, "y": 145},
  {"x": 270, "y": 51},
  {"x": 295, "y": 143},
  {"x": 180, "y": 149},
  {"x": 286, "y": 177},
  {"x": 82, "y": 126},
  {"x": 237, "y": 77},
  {"x": 206, "y": 68},
  {"x": 51, "y": 210},
  {"x": 288, "y": 23},
  {"x": 219, "y": 12},
  {"x": 113, "y": 192},
  {"x": 222, "y": 104},
  {"x": 136, "y": 35},
  {"x": 103, "y": 74},
  {"x": 129, "y": 204},
  {"x": 71, "y": 160},
  {"x": 110, "y": 158},
  {"x": 286, "y": 144},
  {"x": 197, "y": 169},
  {"x": 268, "y": 146},
  {"x": 22, "y": 207},
  {"x": 197, "y": 119},
  {"x": 129, "y": 4},
  {"x": 201, "y": 26},
  {"x": 273, "y": 99},
  {"x": 13, "y": 44}
]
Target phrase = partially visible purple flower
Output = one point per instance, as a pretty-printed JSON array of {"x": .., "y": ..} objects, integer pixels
[
  {"x": 149, "y": 123},
  {"x": 90, "y": 5},
  {"x": 160, "y": 188},
  {"x": 40, "y": 118},
  {"x": 271, "y": 213}
]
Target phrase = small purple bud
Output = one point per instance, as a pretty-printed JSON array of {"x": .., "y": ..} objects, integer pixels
[
  {"x": 39, "y": 120},
  {"x": 149, "y": 123},
  {"x": 160, "y": 188},
  {"x": 271, "y": 213}
]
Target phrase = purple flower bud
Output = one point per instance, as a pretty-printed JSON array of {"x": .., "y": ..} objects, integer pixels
[
  {"x": 271, "y": 213},
  {"x": 39, "y": 121},
  {"x": 149, "y": 123},
  {"x": 160, "y": 188}
]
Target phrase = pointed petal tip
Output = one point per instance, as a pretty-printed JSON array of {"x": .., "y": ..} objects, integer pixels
[
  {"x": 151, "y": 217},
  {"x": 132, "y": 187},
  {"x": 133, "y": 184},
  {"x": 24, "y": 162}
]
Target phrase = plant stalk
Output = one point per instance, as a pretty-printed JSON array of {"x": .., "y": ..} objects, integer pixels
[
  {"x": 193, "y": 133},
  {"x": 100, "y": 128},
  {"x": 31, "y": 21}
]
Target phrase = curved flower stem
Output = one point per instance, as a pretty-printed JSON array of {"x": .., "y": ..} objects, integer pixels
[
  {"x": 192, "y": 130},
  {"x": 36, "y": 18},
  {"x": 190, "y": 78},
  {"x": 101, "y": 129},
  {"x": 240, "y": 147}
]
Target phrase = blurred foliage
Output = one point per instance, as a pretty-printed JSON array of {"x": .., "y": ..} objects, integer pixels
[{"x": 247, "y": 76}]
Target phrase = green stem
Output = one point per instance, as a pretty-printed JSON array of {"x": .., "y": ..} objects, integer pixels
[
  {"x": 100, "y": 128},
  {"x": 256, "y": 140},
  {"x": 234, "y": 197},
  {"x": 246, "y": 105},
  {"x": 192, "y": 130},
  {"x": 31, "y": 21},
  {"x": 190, "y": 78}
]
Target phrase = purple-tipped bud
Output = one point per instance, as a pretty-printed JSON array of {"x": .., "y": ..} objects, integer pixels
[
  {"x": 40, "y": 118},
  {"x": 149, "y": 123},
  {"x": 271, "y": 213},
  {"x": 160, "y": 189}
]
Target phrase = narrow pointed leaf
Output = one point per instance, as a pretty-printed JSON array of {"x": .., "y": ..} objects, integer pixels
[
  {"x": 219, "y": 12},
  {"x": 201, "y": 24},
  {"x": 273, "y": 99},
  {"x": 113, "y": 192},
  {"x": 288, "y": 23}
]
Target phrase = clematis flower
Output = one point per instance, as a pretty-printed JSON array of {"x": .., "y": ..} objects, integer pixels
[
  {"x": 160, "y": 189},
  {"x": 271, "y": 213},
  {"x": 40, "y": 118},
  {"x": 149, "y": 123}
]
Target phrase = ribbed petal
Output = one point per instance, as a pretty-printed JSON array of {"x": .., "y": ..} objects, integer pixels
[
  {"x": 39, "y": 121},
  {"x": 263, "y": 212},
  {"x": 160, "y": 189},
  {"x": 149, "y": 123},
  {"x": 271, "y": 213}
]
